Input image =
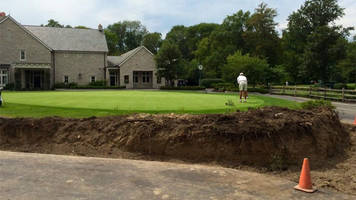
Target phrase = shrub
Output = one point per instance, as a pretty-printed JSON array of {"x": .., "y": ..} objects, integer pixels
[
  {"x": 182, "y": 88},
  {"x": 340, "y": 85},
  {"x": 317, "y": 104},
  {"x": 97, "y": 87},
  {"x": 10, "y": 86},
  {"x": 209, "y": 83},
  {"x": 351, "y": 86},
  {"x": 63, "y": 85},
  {"x": 98, "y": 83}
]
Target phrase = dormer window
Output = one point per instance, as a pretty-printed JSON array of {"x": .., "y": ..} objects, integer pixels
[{"x": 22, "y": 55}]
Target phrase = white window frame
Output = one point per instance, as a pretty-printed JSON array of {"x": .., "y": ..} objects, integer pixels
[
  {"x": 24, "y": 51},
  {"x": 91, "y": 79},
  {"x": 4, "y": 73}
]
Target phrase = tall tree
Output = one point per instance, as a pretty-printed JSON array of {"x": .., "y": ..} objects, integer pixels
[
  {"x": 254, "y": 68},
  {"x": 169, "y": 62},
  {"x": 347, "y": 66},
  {"x": 129, "y": 34},
  {"x": 226, "y": 39},
  {"x": 261, "y": 37},
  {"x": 312, "y": 41},
  {"x": 112, "y": 41},
  {"x": 152, "y": 41}
]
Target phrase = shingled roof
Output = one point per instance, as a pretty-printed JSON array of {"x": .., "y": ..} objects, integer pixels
[
  {"x": 119, "y": 60},
  {"x": 70, "y": 39}
]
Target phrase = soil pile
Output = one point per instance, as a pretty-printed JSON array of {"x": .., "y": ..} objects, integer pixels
[{"x": 268, "y": 137}]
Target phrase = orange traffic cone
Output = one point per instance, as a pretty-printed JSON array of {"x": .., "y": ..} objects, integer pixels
[
  {"x": 305, "y": 183},
  {"x": 355, "y": 121}
]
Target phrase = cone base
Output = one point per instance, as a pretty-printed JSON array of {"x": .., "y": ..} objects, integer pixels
[{"x": 304, "y": 190}]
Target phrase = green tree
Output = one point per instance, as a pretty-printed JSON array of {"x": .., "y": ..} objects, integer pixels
[
  {"x": 81, "y": 27},
  {"x": 54, "y": 23},
  {"x": 129, "y": 35},
  {"x": 112, "y": 41},
  {"x": 261, "y": 37},
  {"x": 152, "y": 41},
  {"x": 312, "y": 43},
  {"x": 347, "y": 66},
  {"x": 253, "y": 67},
  {"x": 224, "y": 40},
  {"x": 178, "y": 36},
  {"x": 169, "y": 62}
]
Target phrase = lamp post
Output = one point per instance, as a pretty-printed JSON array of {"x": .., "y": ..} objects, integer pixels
[{"x": 200, "y": 67}]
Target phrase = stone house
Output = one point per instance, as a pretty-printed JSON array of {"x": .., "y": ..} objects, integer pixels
[
  {"x": 134, "y": 69},
  {"x": 36, "y": 57}
]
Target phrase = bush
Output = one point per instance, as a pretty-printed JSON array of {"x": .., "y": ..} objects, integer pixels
[
  {"x": 209, "y": 83},
  {"x": 340, "y": 85},
  {"x": 351, "y": 86},
  {"x": 63, "y": 85},
  {"x": 97, "y": 87},
  {"x": 317, "y": 104},
  {"x": 98, "y": 83},
  {"x": 10, "y": 86},
  {"x": 182, "y": 88}
]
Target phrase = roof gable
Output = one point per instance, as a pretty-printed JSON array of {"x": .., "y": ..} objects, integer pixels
[
  {"x": 24, "y": 29},
  {"x": 120, "y": 60}
]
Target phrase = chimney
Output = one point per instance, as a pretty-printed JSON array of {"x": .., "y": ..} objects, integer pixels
[
  {"x": 100, "y": 28},
  {"x": 2, "y": 14}
]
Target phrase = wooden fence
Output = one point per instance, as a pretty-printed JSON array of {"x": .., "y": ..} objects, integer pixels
[{"x": 314, "y": 92}]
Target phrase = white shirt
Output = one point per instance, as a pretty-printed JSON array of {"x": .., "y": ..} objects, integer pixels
[{"x": 241, "y": 79}]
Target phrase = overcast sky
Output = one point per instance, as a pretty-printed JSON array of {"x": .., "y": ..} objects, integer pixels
[{"x": 156, "y": 15}]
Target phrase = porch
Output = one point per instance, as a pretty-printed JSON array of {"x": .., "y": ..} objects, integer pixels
[{"x": 32, "y": 76}]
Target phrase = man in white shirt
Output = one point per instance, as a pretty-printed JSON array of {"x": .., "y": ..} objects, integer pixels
[{"x": 242, "y": 81}]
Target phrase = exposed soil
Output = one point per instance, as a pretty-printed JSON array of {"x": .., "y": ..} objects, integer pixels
[
  {"x": 339, "y": 173},
  {"x": 269, "y": 138}
]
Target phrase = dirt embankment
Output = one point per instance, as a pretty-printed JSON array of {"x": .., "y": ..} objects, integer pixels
[{"x": 270, "y": 137}]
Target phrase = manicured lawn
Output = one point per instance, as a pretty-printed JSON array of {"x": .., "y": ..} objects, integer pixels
[{"x": 103, "y": 103}]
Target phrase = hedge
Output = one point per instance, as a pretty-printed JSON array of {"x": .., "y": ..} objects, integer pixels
[{"x": 182, "y": 88}]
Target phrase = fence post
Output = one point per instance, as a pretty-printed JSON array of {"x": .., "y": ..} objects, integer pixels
[
  {"x": 283, "y": 89},
  {"x": 295, "y": 90},
  {"x": 310, "y": 91},
  {"x": 343, "y": 94},
  {"x": 324, "y": 93},
  {"x": 270, "y": 89}
]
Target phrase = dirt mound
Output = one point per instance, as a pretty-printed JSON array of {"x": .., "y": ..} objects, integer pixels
[{"x": 269, "y": 137}]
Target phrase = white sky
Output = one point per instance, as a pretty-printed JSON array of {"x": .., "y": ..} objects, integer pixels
[{"x": 156, "y": 15}]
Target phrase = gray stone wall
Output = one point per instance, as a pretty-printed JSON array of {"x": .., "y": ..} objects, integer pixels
[
  {"x": 79, "y": 66},
  {"x": 13, "y": 39},
  {"x": 141, "y": 61}
]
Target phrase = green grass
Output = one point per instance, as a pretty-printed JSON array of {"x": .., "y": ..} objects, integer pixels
[{"x": 103, "y": 103}]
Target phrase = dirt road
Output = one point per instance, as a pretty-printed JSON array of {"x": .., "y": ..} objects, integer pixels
[{"x": 36, "y": 176}]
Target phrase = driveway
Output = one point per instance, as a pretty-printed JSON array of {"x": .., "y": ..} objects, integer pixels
[
  {"x": 36, "y": 177},
  {"x": 347, "y": 111}
]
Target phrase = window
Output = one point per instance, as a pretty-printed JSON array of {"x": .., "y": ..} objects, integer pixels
[
  {"x": 146, "y": 77},
  {"x": 126, "y": 77},
  {"x": 92, "y": 79},
  {"x": 135, "y": 77},
  {"x": 66, "y": 79},
  {"x": 3, "y": 77},
  {"x": 22, "y": 55}
]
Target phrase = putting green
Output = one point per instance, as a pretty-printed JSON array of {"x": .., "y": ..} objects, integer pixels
[{"x": 101, "y": 103}]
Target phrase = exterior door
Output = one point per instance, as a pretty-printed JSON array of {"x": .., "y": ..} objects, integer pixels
[
  {"x": 142, "y": 79},
  {"x": 114, "y": 78}
]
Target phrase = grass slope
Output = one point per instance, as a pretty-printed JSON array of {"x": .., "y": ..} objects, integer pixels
[{"x": 104, "y": 103}]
